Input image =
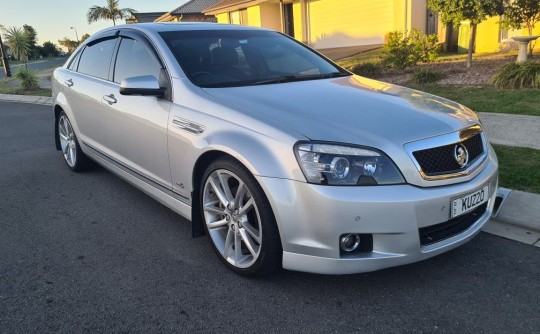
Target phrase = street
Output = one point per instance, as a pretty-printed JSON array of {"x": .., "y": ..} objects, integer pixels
[
  {"x": 36, "y": 65},
  {"x": 87, "y": 252}
]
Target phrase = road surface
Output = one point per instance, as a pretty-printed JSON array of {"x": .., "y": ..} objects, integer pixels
[
  {"x": 89, "y": 253},
  {"x": 36, "y": 65}
]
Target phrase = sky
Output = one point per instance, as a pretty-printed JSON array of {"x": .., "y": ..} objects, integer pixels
[{"x": 53, "y": 19}]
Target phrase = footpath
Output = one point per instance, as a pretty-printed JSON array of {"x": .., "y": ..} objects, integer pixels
[{"x": 518, "y": 215}]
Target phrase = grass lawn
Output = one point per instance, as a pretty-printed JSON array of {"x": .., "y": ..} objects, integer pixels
[
  {"x": 489, "y": 99},
  {"x": 5, "y": 88},
  {"x": 519, "y": 168}
]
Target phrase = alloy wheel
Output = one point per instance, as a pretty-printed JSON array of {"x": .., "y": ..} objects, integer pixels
[
  {"x": 232, "y": 218},
  {"x": 67, "y": 141}
]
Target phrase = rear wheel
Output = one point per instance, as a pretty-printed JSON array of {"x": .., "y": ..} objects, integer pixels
[
  {"x": 239, "y": 220},
  {"x": 71, "y": 150}
]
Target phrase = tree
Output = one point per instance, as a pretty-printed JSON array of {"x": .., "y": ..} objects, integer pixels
[
  {"x": 84, "y": 37},
  {"x": 69, "y": 44},
  {"x": 50, "y": 49},
  {"x": 5, "y": 61},
  {"x": 31, "y": 36},
  {"x": 109, "y": 12},
  {"x": 474, "y": 11},
  {"x": 522, "y": 14},
  {"x": 18, "y": 42}
]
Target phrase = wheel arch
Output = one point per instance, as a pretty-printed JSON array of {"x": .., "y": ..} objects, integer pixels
[
  {"x": 197, "y": 229},
  {"x": 200, "y": 167}
]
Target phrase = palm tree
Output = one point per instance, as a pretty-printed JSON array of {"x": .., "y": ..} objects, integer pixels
[
  {"x": 18, "y": 42},
  {"x": 109, "y": 12}
]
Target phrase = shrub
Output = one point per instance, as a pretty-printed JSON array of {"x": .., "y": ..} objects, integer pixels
[
  {"x": 27, "y": 77},
  {"x": 402, "y": 50},
  {"x": 520, "y": 75},
  {"x": 426, "y": 76},
  {"x": 367, "y": 69},
  {"x": 428, "y": 48}
]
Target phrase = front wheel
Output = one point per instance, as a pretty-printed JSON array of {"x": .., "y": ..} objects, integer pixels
[{"x": 239, "y": 220}]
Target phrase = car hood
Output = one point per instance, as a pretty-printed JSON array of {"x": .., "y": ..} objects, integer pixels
[{"x": 350, "y": 109}]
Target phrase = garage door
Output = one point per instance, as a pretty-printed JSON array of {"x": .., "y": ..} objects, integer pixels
[{"x": 344, "y": 23}]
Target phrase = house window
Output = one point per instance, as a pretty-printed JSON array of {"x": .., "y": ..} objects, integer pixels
[
  {"x": 244, "y": 17},
  {"x": 239, "y": 17},
  {"x": 234, "y": 17}
]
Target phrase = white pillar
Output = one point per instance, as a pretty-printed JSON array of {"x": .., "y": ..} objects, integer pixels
[{"x": 523, "y": 50}]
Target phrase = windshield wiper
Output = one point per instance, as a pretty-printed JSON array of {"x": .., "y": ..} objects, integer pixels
[
  {"x": 335, "y": 75},
  {"x": 291, "y": 78},
  {"x": 284, "y": 78}
]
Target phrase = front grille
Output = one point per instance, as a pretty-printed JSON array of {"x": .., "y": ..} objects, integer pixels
[
  {"x": 435, "y": 233},
  {"x": 440, "y": 160}
]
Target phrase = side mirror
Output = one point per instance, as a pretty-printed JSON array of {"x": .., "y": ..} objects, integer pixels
[{"x": 146, "y": 85}]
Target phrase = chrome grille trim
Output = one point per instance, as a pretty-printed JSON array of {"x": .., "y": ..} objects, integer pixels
[{"x": 444, "y": 140}]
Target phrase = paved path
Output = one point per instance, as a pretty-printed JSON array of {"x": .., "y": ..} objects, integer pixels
[
  {"x": 26, "y": 99},
  {"x": 512, "y": 130}
]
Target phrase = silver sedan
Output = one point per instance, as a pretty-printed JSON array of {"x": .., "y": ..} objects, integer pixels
[{"x": 278, "y": 155}]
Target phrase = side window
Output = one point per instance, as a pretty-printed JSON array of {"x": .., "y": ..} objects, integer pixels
[
  {"x": 134, "y": 59},
  {"x": 96, "y": 59},
  {"x": 75, "y": 62}
]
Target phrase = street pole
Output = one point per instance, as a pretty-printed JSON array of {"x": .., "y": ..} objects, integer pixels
[
  {"x": 76, "y": 35},
  {"x": 5, "y": 61}
]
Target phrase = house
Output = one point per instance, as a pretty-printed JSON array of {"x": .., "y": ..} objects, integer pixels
[
  {"x": 143, "y": 17},
  {"x": 489, "y": 36},
  {"x": 346, "y": 26},
  {"x": 190, "y": 11}
]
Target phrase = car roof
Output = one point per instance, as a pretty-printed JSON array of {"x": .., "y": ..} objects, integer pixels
[{"x": 156, "y": 27}]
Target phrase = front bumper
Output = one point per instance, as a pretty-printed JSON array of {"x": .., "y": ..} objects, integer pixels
[{"x": 311, "y": 218}]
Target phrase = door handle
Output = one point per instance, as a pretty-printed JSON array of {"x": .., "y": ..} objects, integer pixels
[
  {"x": 69, "y": 82},
  {"x": 110, "y": 99}
]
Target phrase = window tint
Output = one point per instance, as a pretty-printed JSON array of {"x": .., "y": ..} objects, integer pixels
[
  {"x": 134, "y": 59},
  {"x": 75, "y": 62},
  {"x": 229, "y": 58},
  {"x": 96, "y": 59}
]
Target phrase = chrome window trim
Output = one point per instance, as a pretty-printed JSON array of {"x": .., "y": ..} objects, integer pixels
[{"x": 444, "y": 140}]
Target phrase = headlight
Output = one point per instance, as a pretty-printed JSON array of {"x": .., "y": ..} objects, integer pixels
[{"x": 345, "y": 165}]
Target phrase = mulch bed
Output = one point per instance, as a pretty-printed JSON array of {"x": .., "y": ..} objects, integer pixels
[{"x": 455, "y": 72}]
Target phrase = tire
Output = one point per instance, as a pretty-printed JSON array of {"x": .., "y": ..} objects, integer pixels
[
  {"x": 74, "y": 157},
  {"x": 239, "y": 220}
]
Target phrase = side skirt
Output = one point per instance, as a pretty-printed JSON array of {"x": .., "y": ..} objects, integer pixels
[{"x": 165, "y": 196}]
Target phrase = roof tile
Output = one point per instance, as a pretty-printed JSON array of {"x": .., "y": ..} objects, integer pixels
[{"x": 193, "y": 6}]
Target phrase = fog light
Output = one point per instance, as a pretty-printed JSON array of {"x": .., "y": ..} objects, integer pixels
[{"x": 349, "y": 242}]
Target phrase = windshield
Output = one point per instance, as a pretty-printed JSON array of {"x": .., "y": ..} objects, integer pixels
[{"x": 231, "y": 58}]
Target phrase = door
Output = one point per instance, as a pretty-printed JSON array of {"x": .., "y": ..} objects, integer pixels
[
  {"x": 288, "y": 19},
  {"x": 84, "y": 80},
  {"x": 136, "y": 126}
]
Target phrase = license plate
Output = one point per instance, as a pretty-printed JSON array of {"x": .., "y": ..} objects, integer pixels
[{"x": 467, "y": 203}]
